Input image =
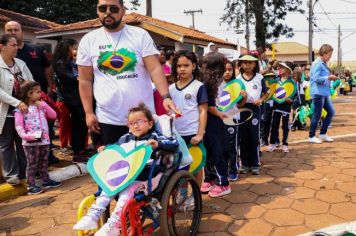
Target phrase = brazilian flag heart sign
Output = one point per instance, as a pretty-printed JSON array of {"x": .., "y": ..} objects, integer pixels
[
  {"x": 284, "y": 90},
  {"x": 199, "y": 157},
  {"x": 271, "y": 84},
  {"x": 114, "y": 169},
  {"x": 231, "y": 94}
]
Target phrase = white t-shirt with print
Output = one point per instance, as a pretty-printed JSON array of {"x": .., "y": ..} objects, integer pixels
[
  {"x": 121, "y": 80},
  {"x": 188, "y": 100},
  {"x": 254, "y": 87}
]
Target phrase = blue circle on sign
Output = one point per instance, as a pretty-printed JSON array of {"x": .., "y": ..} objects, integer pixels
[
  {"x": 225, "y": 98},
  {"x": 117, "y": 173}
]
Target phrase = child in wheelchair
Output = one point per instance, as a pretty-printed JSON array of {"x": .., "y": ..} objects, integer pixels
[{"x": 141, "y": 130}]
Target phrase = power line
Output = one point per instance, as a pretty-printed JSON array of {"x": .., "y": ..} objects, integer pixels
[
  {"x": 348, "y": 1},
  {"x": 327, "y": 14}
]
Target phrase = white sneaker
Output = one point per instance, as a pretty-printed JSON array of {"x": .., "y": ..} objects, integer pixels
[
  {"x": 325, "y": 138},
  {"x": 285, "y": 149},
  {"x": 315, "y": 140},
  {"x": 271, "y": 147},
  {"x": 108, "y": 229},
  {"x": 86, "y": 223}
]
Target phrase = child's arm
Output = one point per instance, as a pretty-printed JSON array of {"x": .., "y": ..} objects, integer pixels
[
  {"x": 50, "y": 113},
  {"x": 203, "y": 116},
  {"x": 20, "y": 127},
  {"x": 264, "y": 92},
  {"x": 242, "y": 103},
  {"x": 216, "y": 112}
]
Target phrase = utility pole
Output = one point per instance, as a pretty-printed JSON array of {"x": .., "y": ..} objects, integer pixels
[
  {"x": 192, "y": 12},
  {"x": 310, "y": 45},
  {"x": 339, "y": 49},
  {"x": 247, "y": 36},
  {"x": 149, "y": 8}
]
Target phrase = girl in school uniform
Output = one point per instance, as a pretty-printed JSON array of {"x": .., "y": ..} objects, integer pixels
[{"x": 250, "y": 130}]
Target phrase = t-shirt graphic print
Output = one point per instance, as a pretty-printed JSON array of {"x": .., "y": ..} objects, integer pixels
[{"x": 114, "y": 63}]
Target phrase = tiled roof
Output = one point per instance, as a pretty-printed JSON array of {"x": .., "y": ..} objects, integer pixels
[
  {"x": 26, "y": 20},
  {"x": 137, "y": 19},
  {"x": 287, "y": 48}
]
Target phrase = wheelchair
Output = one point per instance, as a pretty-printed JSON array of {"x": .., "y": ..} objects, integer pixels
[{"x": 174, "y": 207}]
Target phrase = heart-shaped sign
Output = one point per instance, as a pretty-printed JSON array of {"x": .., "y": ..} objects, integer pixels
[
  {"x": 231, "y": 94},
  {"x": 271, "y": 85},
  {"x": 284, "y": 90},
  {"x": 114, "y": 169},
  {"x": 199, "y": 157}
]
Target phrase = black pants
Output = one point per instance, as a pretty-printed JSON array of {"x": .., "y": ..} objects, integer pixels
[
  {"x": 215, "y": 168},
  {"x": 250, "y": 137},
  {"x": 13, "y": 161},
  {"x": 79, "y": 127},
  {"x": 266, "y": 119},
  {"x": 276, "y": 119},
  {"x": 110, "y": 134},
  {"x": 230, "y": 148}
]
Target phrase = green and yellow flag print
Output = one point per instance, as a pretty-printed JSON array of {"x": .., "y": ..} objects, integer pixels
[{"x": 115, "y": 63}]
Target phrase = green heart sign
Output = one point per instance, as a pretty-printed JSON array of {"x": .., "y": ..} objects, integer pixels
[
  {"x": 284, "y": 90},
  {"x": 231, "y": 94},
  {"x": 114, "y": 169},
  {"x": 198, "y": 154}
]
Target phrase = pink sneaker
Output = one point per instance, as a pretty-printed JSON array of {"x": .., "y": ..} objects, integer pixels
[
  {"x": 219, "y": 191},
  {"x": 207, "y": 186}
]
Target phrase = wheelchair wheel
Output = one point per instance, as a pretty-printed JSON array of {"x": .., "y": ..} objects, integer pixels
[{"x": 181, "y": 206}]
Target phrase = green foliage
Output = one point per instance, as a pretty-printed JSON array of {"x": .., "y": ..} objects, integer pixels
[
  {"x": 60, "y": 11},
  {"x": 267, "y": 15}
]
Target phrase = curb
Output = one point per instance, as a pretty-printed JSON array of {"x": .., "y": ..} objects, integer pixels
[{"x": 8, "y": 191}]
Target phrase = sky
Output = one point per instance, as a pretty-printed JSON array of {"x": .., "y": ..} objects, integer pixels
[{"x": 338, "y": 12}]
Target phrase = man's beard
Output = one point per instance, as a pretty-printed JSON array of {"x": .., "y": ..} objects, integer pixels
[{"x": 111, "y": 26}]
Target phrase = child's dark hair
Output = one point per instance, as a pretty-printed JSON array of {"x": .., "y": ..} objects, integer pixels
[
  {"x": 233, "y": 76},
  {"x": 212, "y": 71},
  {"x": 191, "y": 56},
  {"x": 25, "y": 88},
  {"x": 144, "y": 109}
]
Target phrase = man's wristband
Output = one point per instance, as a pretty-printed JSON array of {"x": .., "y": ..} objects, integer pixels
[{"x": 165, "y": 96}]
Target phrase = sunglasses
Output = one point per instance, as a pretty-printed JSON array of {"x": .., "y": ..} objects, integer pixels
[{"x": 112, "y": 8}]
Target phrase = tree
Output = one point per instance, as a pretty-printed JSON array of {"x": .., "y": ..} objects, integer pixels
[
  {"x": 60, "y": 11},
  {"x": 268, "y": 16}
]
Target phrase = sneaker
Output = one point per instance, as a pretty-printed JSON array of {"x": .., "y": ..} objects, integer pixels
[
  {"x": 187, "y": 205},
  {"x": 271, "y": 147},
  {"x": 325, "y": 137},
  {"x": 108, "y": 229},
  {"x": 13, "y": 181},
  {"x": 207, "y": 186},
  {"x": 232, "y": 177},
  {"x": 244, "y": 169},
  {"x": 51, "y": 184},
  {"x": 285, "y": 149},
  {"x": 255, "y": 170},
  {"x": 315, "y": 140},
  {"x": 86, "y": 223},
  {"x": 33, "y": 190},
  {"x": 66, "y": 151},
  {"x": 219, "y": 191}
]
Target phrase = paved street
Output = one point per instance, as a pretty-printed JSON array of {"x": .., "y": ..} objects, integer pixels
[{"x": 312, "y": 187}]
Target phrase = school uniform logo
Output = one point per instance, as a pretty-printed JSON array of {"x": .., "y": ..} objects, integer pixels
[
  {"x": 114, "y": 63},
  {"x": 255, "y": 121},
  {"x": 188, "y": 96}
]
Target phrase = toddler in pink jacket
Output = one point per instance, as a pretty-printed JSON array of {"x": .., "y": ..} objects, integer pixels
[{"x": 32, "y": 127}]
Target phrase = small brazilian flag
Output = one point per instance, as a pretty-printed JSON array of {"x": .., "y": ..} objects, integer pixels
[{"x": 114, "y": 63}]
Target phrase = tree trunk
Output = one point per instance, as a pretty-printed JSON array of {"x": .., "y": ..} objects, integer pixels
[
  {"x": 149, "y": 8},
  {"x": 260, "y": 23}
]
